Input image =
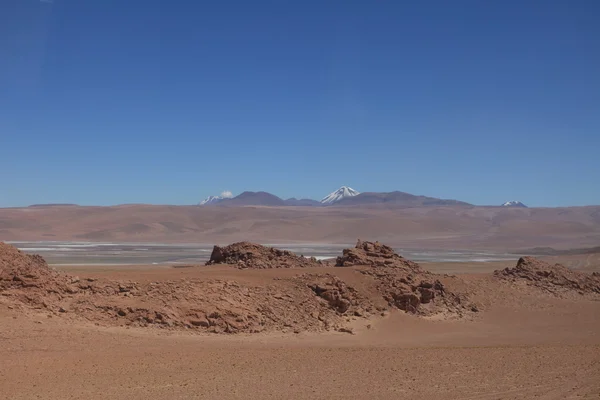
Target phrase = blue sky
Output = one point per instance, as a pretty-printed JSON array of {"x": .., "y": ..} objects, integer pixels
[{"x": 167, "y": 102}]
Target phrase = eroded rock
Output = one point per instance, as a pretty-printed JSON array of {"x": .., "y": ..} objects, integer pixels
[{"x": 251, "y": 255}]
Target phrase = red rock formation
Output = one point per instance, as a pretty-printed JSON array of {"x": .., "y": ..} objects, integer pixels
[
  {"x": 252, "y": 255},
  {"x": 374, "y": 254},
  {"x": 551, "y": 278}
]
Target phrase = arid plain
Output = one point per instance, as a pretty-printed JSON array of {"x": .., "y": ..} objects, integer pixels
[
  {"x": 303, "y": 329},
  {"x": 448, "y": 227}
]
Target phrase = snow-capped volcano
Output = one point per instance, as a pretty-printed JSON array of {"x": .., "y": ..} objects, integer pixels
[
  {"x": 514, "y": 203},
  {"x": 215, "y": 199},
  {"x": 339, "y": 194},
  {"x": 210, "y": 200}
]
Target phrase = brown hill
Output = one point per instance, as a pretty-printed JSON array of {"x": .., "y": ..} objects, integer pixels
[
  {"x": 397, "y": 199},
  {"x": 549, "y": 251},
  {"x": 418, "y": 227},
  {"x": 54, "y": 205},
  {"x": 253, "y": 199},
  {"x": 302, "y": 202}
]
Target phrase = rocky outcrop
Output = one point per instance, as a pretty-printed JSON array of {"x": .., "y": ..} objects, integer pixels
[
  {"x": 252, "y": 255},
  {"x": 556, "y": 279},
  {"x": 28, "y": 277},
  {"x": 403, "y": 283},
  {"x": 374, "y": 254},
  {"x": 420, "y": 293},
  {"x": 308, "y": 302},
  {"x": 311, "y": 302},
  {"x": 339, "y": 296}
]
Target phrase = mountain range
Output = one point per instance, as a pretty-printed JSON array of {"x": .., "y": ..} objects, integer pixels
[
  {"x": 514, "y": 203},
  {"x": 342, "y": 193},
  {"x": 344, "y": 196}
]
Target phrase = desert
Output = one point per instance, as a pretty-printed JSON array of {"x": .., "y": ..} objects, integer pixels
[
  {"x": 261, "y": 322},
  {"x": 315, "y": 200},
  {"x": 437, "y": 227}
]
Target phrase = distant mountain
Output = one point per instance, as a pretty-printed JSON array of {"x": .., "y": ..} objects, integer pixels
[
  {"x": 216, "y": 199},
  {"x": 549, "y": 251},
  {"x": 344, "y": 196},
  {"x": 302, "y": 202},
  {"x": 253, "y": 199},
  {"x": 397, "y": 198},
  {"x": 514, "y": 203},
  {"x": 53, "y": 205},
  {"x": 210, "y": 200},
  {"x": 344, "y": 192}
]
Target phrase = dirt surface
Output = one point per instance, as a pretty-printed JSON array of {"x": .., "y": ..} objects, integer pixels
[{"x": 522, "y": 343}]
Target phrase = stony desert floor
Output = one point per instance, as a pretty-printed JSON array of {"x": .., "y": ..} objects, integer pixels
[{"x": 522, "y": 344}]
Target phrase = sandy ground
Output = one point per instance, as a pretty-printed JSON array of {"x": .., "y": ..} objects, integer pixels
[{"x": 522, "y": 346}]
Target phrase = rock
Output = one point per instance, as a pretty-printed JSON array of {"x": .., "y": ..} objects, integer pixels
[
  {"x": 71, "y": 290},
  {"x": 426, "y": 285},
  {"x": 406, "y": 301},
  {"x": 556, "y": 279},
  {"x": 334, "y": 291},
  {"x": 217, "y": 256},
  {"x": 374, "y": 254},
  {"x": 403, "y": 283},
  {"x": 250, "y": 255},
  {"x": 426, "y": 295},
  {"x": 202, "y": 322},
  {"x": 308, "y": 302}
]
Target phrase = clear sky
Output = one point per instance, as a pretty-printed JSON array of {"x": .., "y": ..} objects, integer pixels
[{"x": 167, "y": 102}]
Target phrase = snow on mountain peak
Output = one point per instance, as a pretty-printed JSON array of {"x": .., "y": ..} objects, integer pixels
[
  {"x": 513, "y": 203},
  {"x": 339, "y": 194},
  {"x": 210, "y": 200},
  {"x": 215, "y": 199}
]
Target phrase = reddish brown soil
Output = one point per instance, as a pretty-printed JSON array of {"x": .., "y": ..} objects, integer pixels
[{"x": 523, "y": 343}]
